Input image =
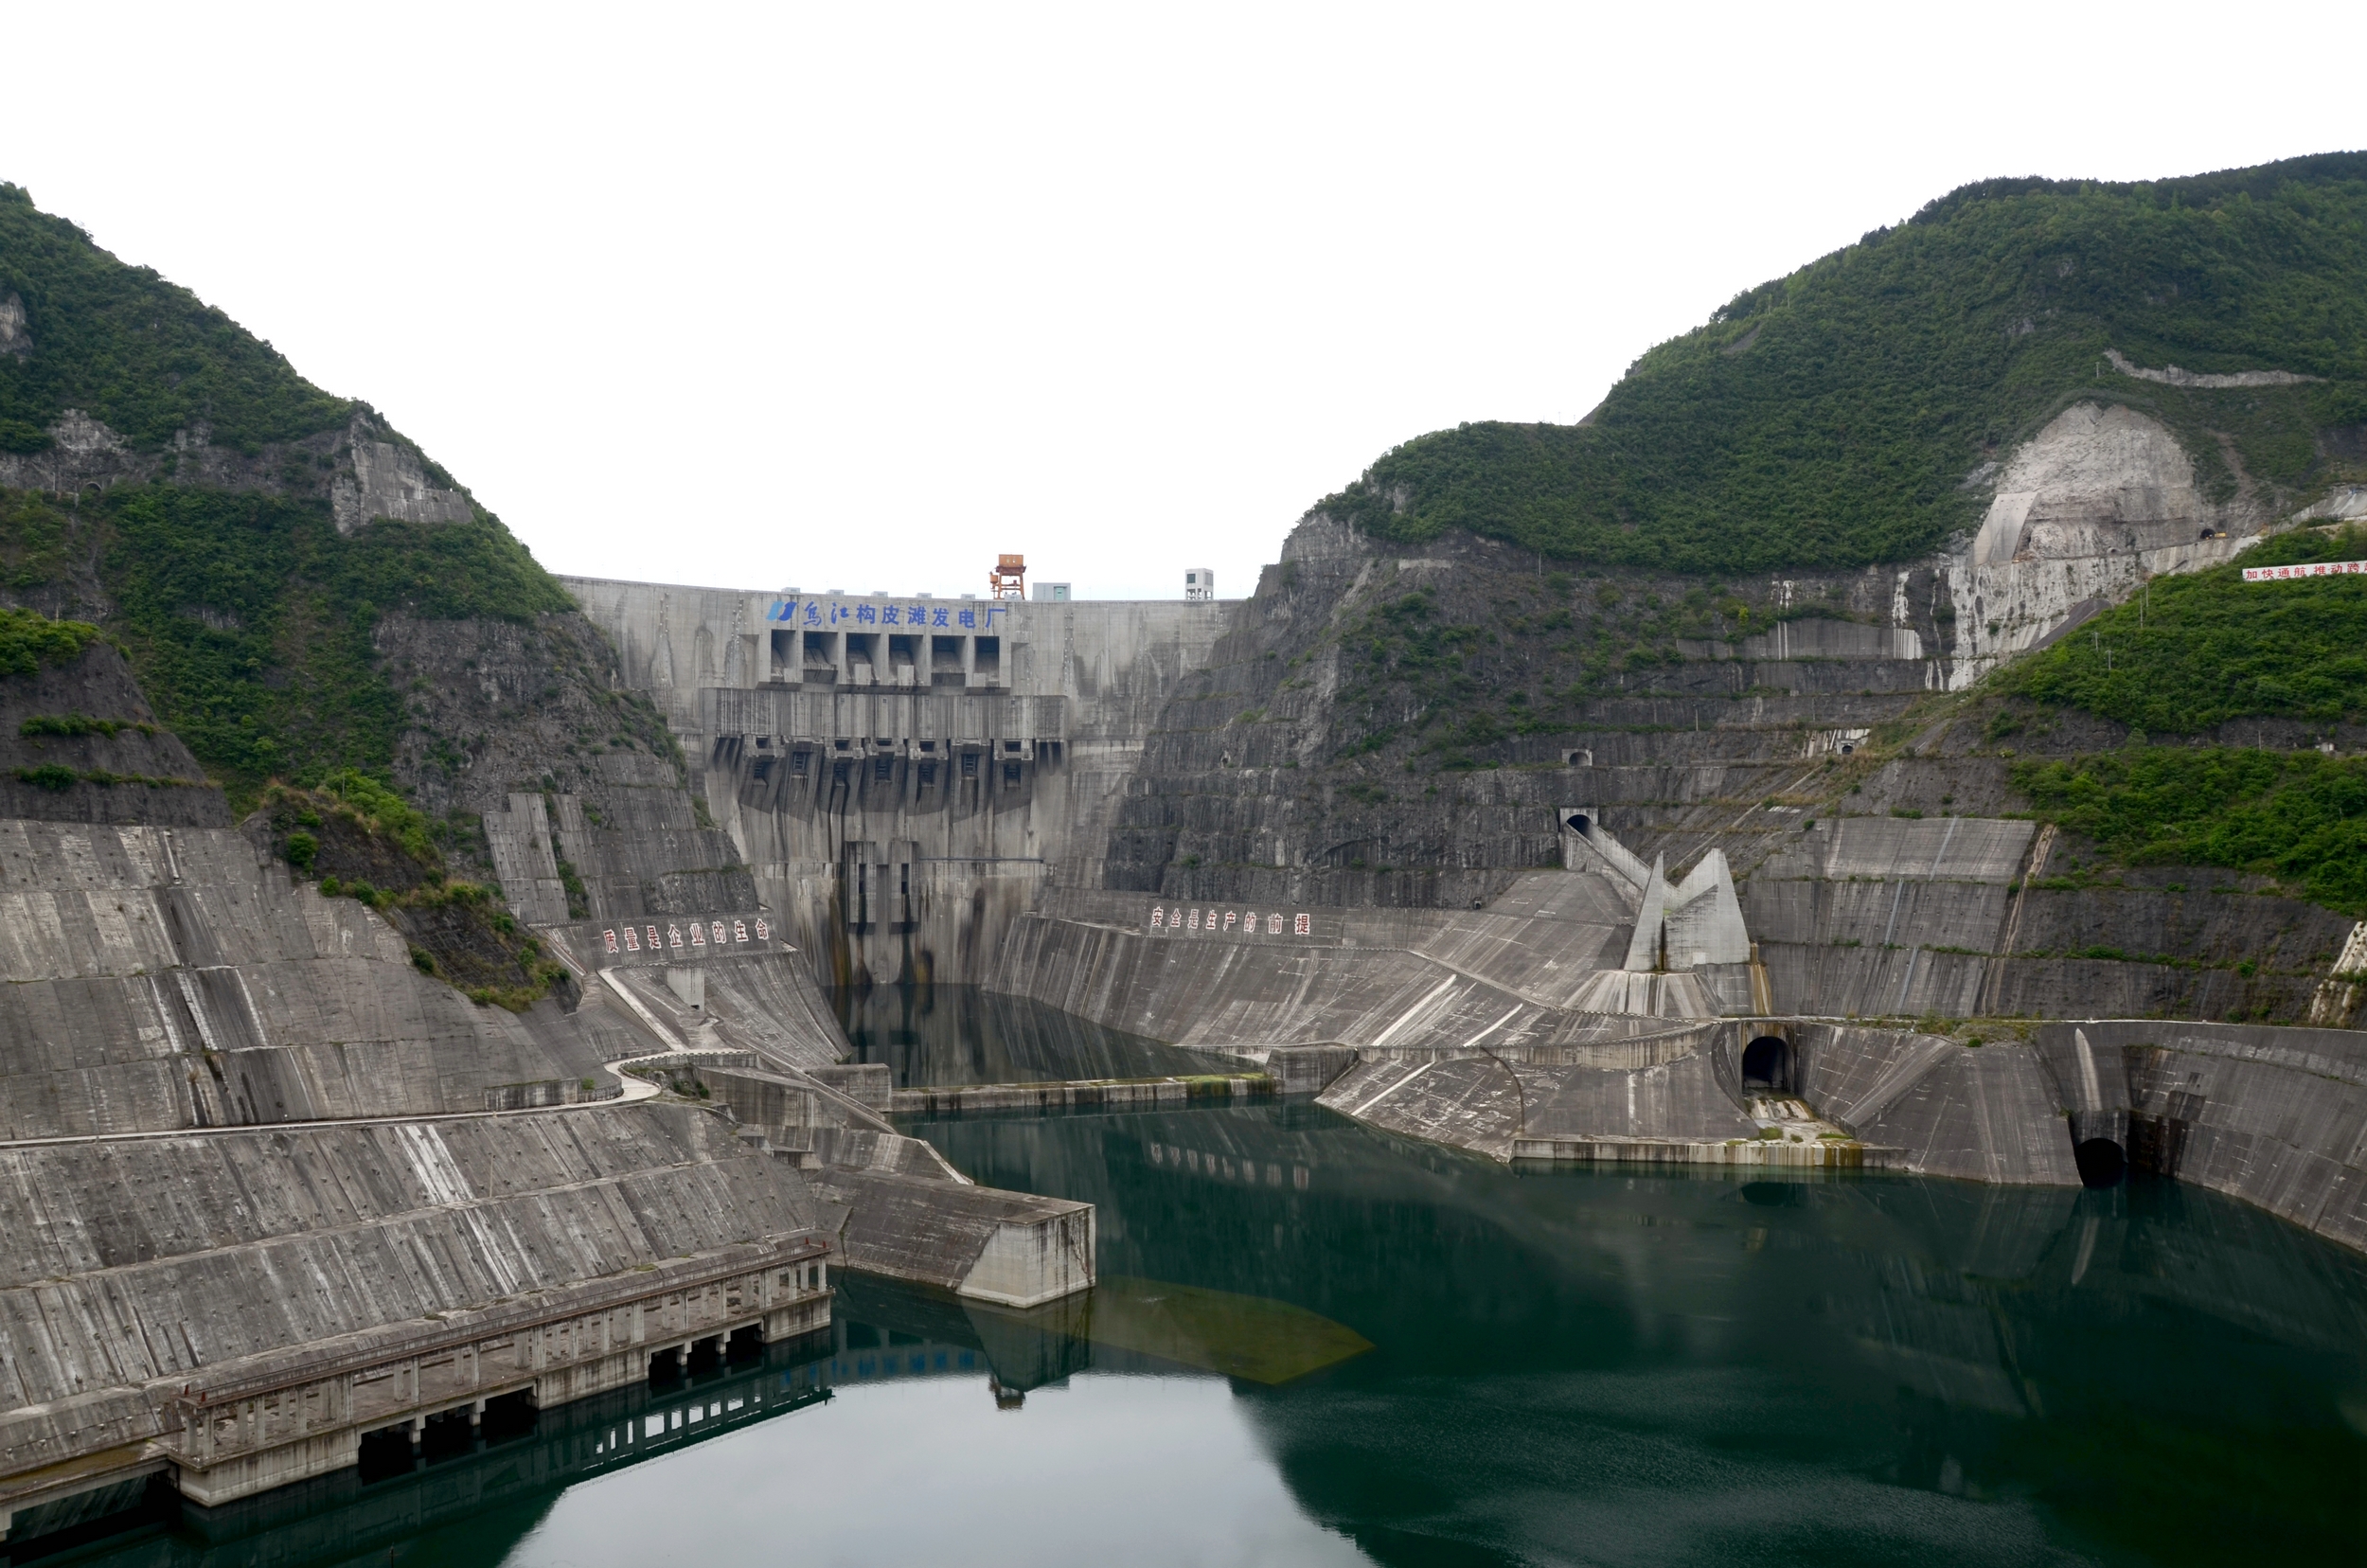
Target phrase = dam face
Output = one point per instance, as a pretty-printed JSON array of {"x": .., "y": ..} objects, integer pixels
[{"x": 903, "y": 776}]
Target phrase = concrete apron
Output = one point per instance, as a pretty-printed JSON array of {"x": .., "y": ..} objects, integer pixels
[
  {"x": 1733, "y": 1152},
  {"x": 293, "y": 1417}
]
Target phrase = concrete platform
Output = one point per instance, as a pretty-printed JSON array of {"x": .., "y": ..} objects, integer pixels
[
  {"x": 1092, "y": 1094},
  {"x": 268, "y": 1420},
  {"x": 1824, "y": 1154},
  {"x": 1011, "y": 1248}
]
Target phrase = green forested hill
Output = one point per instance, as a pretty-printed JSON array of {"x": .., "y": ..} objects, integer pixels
[
  {"x": 127, "y": 348},
  {"x": 1830, "y": 417},
  {"x": 246, "y": 616}
]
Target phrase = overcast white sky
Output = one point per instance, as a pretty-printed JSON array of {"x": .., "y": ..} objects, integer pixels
[{"x": 859, "y": 295}]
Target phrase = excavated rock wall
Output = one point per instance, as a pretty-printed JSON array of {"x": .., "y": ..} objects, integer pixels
[
  {"x": 500, "y": 708},
  {"x": 98, "y": 685}
]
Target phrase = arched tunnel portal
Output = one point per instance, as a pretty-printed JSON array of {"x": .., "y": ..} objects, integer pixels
[{"x": 1766, "y": 1063}]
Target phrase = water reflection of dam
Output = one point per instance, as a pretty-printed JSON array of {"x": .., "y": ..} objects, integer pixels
[{"x": 468, "y": 1499}]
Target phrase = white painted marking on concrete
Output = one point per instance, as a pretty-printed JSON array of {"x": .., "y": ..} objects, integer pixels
[
  {"x": 1409, "y": 1012},
  {"x": 432, "y": 1163},
  {"x": 1398, "y": 1084},
  {"x": 1491, "y": 1028}
]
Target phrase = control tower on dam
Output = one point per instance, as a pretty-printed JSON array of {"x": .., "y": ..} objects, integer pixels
[{"x": 904, "y": 773}]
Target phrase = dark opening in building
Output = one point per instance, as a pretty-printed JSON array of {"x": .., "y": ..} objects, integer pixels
[
  {"x": 798, "y": 761},
  {"x": 763, "y": 767},
  {"x": 928, "y": 774},
  {"x": 882, "y": 767},
  {"x": 1578, "y": 824},
  {"x": 1766, "y": 1063},
  {"x": 838, "y": 772},
  {"x": 387, "y": 1451},
  {"x": 510, "y": 1414},
  {"x": 1010, "y": 772},
  {"x": 746, "y": 1344},
  {"x": 970, "y": 764},
  {"x": 447, "y": 1432},
  {"x": 2102, "y": 1162}
]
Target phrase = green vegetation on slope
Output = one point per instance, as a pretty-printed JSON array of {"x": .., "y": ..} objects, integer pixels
[
  {"x": 1830, "y": 417},
  {"x": 125, "y": 346},
  {"x": 2295, "y": 815},
  {"x": 247, "y": 617},
  {"x": 362, "y": 841},
  {"x": 27, "y": 641},
  {"x": 2192, "y": 652},
  {"x": 248, "y": 620}
]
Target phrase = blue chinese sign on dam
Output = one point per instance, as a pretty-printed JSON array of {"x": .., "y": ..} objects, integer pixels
[{"x": 829, "y": 614}]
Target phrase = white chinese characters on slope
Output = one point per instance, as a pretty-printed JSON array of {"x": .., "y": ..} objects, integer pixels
[
  {"x": 702, "y": 934},
  {"x": 1225, "y": 922}
]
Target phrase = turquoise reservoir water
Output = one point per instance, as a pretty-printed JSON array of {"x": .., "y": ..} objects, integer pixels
[{"x": 1319, "y": 1344}]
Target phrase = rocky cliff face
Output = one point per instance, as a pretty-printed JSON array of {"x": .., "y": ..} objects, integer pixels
[
  {"x": 363, "y": 470},
  {"x": 499, "y": 710}
]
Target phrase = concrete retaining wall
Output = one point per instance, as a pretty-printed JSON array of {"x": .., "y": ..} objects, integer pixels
[
  {"x": 153, "y": 1259},
  {"x": 162, "y": 978}
]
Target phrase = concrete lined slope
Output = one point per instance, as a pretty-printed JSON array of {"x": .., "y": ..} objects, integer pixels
[
  {"x": 152, "y": 1259},
  {"x": 162, "y": 978},
  {"x": 2276, "y": 1116},
  {"x": 766, "y": 1005},
  {"x": 747, "y": 989},
  {"x": 1219, "y": 994},
  {"x": 1991, "y": 1114},
  {"x": 1469, "y": 1102}
]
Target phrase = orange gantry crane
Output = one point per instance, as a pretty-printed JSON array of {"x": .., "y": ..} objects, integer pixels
[{"x": 1009, "y": 577}]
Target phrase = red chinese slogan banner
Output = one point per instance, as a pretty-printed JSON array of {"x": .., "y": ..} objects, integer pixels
[{"x": 2314, "y": 568}]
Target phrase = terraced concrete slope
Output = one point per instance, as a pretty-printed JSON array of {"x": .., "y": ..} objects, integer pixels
[
  {"x": 141, "y": 1264},
  {"x": 285, "y": 592},
  {"x": 1386, "y": 746}
]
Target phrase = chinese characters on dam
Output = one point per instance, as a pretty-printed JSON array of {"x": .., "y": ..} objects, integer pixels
[
  {"x": 1227, "y": 921},
  {"x": 722, "y": 935},
  {"x": 825, "y": 612}
]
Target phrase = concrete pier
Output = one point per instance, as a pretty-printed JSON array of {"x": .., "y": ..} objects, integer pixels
[
  {"x": 1091, "y": 1095},
  {"x": 285, "y": 1416}
]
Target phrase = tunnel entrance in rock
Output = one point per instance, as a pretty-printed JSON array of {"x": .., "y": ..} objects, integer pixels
[
  {"x": 2102, "y": 1163},
  {"x": 1766, "y": 1063},
  {"x": 1578, "y": 824}
]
